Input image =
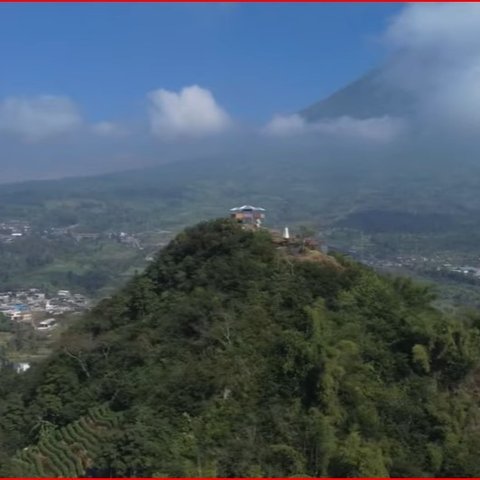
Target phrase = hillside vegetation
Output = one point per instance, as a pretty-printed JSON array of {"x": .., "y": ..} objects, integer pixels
[{"x": 231, "y": 356}]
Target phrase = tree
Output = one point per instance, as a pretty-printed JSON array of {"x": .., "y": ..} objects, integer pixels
[{"x": 6, "y": 325}]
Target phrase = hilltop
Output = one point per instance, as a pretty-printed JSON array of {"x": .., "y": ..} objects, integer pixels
[{"x": 231, "y": 356}]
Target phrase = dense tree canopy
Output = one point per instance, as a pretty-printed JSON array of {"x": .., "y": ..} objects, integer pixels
[{"x": 231, "y": 356}]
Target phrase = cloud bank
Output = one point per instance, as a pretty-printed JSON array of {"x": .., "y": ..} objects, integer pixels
[
  {"x": 436, "y": 58},
  {"x": 33, "y": 119},
  {"x": 376, "y": 129},
  {"x": 192, "y": 112},
  {"x": 36, "y": 118},
  {"x": 109, "y": 129}
]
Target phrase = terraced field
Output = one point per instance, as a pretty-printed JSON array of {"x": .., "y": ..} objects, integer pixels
[{"x": 67, "y": 452}]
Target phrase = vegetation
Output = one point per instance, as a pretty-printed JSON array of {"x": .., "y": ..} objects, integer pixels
[
  {"x": 65, "y": 452},
  {"x": 91, "y": 267},
  {"x": 407, "y": 201},
  {"x": 233, "y": 356},
  {"x": 6, "y": 325}
]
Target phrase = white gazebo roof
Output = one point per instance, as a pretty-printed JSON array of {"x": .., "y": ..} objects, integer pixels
[{"x": 247, "y": 208}]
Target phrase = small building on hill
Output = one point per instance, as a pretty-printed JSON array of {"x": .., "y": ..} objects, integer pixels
[
  {"x": 21, "y": 367},
  {"x": 47, "y": 324},
  {"x": 248, "y": 215}
]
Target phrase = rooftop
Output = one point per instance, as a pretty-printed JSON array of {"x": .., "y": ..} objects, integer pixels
[{"x": 247, "y": 208}]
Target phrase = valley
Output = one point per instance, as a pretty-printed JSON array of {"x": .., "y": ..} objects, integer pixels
[{"x": 91, "y": 234}]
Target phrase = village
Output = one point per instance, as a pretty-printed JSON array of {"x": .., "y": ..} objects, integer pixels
[
  {"x": 33, "y": 305},
  {"x": 421, "y": 262},
  {"x": 128, "y": 239},
  {"x": 13, "y": 230},
  {"x": 32, "y": 310}
]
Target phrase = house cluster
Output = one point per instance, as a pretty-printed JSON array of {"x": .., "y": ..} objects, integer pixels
[
  {"x": 140, "y": 240},
  {"x": 22, "y": 305},
  {"x": 465, "y": 270},
  {"x": 129, "y": 240},
  {"x": 124, "y": 238},
  {"x": 435, "y": 264},
  {"x": 58, "y": 231},
  {"x": 13, "y": 230}
]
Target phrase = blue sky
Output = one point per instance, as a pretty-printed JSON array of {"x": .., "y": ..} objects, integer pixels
[{"x": 257, "y": 59}]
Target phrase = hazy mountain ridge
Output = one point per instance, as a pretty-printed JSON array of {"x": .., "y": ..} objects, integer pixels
[{"x": 369, "y": 96}]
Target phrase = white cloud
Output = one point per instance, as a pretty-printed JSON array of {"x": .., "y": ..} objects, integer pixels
[
  {"x": 108, "y": 129},
  {"x": 36, "y": 118},
  {"x": 437, "y": 26},
  {"x": 377, "y": 129},
  {"x": 192, "y": 112},
  {"x": 437, "y": 59},
  {"x": 284, "y": 125}
]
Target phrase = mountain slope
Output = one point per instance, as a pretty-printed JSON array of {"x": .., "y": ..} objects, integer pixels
[
  {"x": 67, "y": 452},
  {"x": 369, "y": 96},
  {"x": 294, "y": 184},
  {"x": 233, "y": 355}
]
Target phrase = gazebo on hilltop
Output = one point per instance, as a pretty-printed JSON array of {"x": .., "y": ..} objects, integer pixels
[{"x": 248, "y": 215}]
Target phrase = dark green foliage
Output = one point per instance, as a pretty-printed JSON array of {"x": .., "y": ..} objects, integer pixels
[
  {"x": 6, "y": 325},
  {"x": 229, "y": 357},
  {"x": 66, "y": 452}
]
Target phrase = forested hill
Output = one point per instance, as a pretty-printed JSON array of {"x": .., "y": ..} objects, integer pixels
[{"x": 233, "y": 356}]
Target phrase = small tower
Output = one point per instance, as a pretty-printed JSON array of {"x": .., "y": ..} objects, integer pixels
[{"x": 286, "y": 234}]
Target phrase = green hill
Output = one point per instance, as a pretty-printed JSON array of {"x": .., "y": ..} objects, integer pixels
[{"x": 234, "y": 355}]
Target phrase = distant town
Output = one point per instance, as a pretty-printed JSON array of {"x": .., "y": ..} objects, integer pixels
[
  {"x": 33, "y": 305},
  {"x": 12, "y": 230},
  {"x": 15, "y": 229}
]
